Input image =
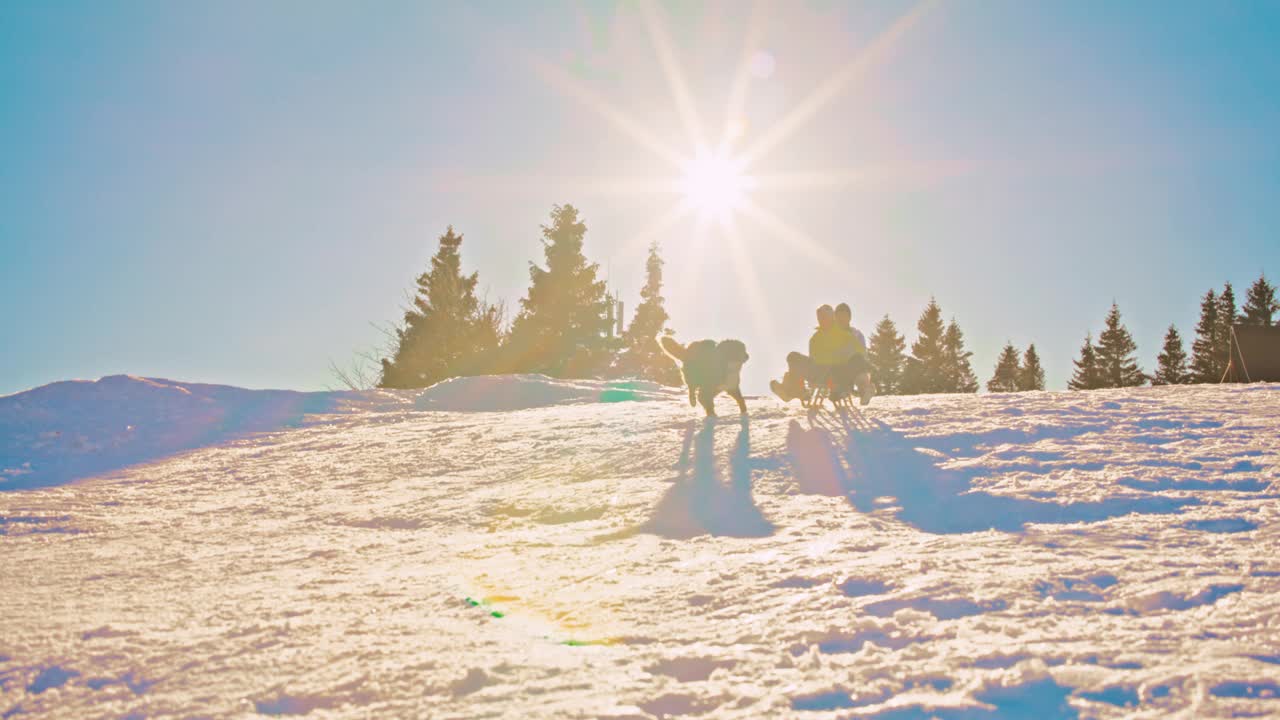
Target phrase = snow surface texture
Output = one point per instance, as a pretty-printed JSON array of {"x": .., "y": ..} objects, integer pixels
[
  {"x": 521, "y": 392},
  {"x": 1040, "y": 555},
  {"x": 74, "y": 429}
]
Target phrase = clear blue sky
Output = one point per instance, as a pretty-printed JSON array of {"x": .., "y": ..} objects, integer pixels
[{"x": 232, "y": 192}]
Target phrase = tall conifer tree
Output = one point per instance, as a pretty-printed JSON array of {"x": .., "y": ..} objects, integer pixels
[
  {"x": 1260, "y": 304},
  {"x": 563, "y": 320},
  {"x": 1226, "y": 318},
  {"x": 1116, "y": 354},
  {"x": 641, "y": 356},
  {"x": 1171, "y": 363},
  {"x": 1030, "y": 375},
  {"x": 1087, "y": 375},
  {"x": 886, "y": 352},
  {"x": 448, "y": 331},
  {"x": 925, "y": 370},
  {"x": 956, "y": 367},
  {"x": 1204, "y": 356},
  {"x": 1005, "y": 377}
]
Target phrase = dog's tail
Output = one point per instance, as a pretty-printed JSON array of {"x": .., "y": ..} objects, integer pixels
[{"x": 672, "y": 348}]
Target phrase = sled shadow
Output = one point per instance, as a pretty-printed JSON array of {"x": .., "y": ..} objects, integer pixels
[
  {"x": 701, "y": 502},
  {"x": 847, "y": 455}
]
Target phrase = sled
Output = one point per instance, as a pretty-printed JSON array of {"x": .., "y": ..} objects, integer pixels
[{"x": 815, "y": 394}]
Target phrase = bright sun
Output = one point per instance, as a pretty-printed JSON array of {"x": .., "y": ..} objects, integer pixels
[{"x": 715, "y": 184}]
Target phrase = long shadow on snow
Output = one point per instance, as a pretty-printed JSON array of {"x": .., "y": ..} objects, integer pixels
[
  {"x": 862, "y": 460},
  {"x": 701, "y": 502}
]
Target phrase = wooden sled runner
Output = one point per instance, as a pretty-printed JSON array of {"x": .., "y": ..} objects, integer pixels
[{"x": 815, "y": 394}]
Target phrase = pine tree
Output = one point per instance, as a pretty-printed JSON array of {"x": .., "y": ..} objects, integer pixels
[
  {"x": 641, "y": 355},
  {"x": 956, "y": 367},
  {"x": 925, "y": 371},
  {"x": 1030, "y": 375},
  {"x": 1260, "y": 304},
  {"x": 1222, "y": 338},
  {"x": 1087, "y": 375},
  {"x": 1171, "y": 363},
  {"x": 1005, "y": 377},
  {"x": 563, "y": 320},
  {"x": 1204, "y": 358},
  {"x": 488, "y": 335},
  {"x": 1115, "y": 351},
  {"x": 448, "y": 331},
  {"x": 886, "y": 352}
]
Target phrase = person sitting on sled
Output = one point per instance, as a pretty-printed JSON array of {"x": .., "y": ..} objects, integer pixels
[
  {"x": 856, "y": 370},
  {"x": 837, "y": 356},
  {"x": 815, "y": 367}
]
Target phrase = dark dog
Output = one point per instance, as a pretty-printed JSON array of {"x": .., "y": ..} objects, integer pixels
[{"x": 709, "y": 368}]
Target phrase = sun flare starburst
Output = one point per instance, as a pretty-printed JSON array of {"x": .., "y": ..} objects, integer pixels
[
  {"x": 716, "y": 184},
  {"x": 717, "y": 180}
]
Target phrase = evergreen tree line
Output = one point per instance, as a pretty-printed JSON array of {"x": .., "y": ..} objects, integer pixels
[
  {"x": 564, "y": 328},
  {"x": 1111, "y": 362},
  {"x": 566, "y": 325},
  {"x": 565, "y": 322},
  {"x": 939, "y": 362}
]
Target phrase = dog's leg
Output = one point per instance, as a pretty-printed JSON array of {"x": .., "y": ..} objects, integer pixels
[
  {"x": 693, "y": 396},
  {"x": 736, "y": 394},
  {"x": 708, "y": 400}
]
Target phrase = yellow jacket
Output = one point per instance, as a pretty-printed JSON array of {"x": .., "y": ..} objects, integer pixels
[{"x": 832, "y": 345}]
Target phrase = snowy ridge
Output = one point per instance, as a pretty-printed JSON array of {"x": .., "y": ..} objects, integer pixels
[
  {"x": 72, "y": 429},
  {"x": 1045, "y": 555},
  {"x": 75, "y": 429}
]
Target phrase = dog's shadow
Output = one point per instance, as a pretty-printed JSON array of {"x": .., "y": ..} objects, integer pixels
[
  {"x": 701, "y": 501},
  {"x": 846, "y": 455}
]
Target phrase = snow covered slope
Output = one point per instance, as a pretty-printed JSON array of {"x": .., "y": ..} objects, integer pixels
[
  {"x": 68, "y": 430},
  {"x": 1045, "y": 555}
]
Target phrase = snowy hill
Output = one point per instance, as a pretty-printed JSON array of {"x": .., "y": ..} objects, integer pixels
[
  {"x": 72, "y": 429},
  {"x": 566, "y": 552},
  {"x": 69, "y": 430}
]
